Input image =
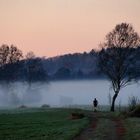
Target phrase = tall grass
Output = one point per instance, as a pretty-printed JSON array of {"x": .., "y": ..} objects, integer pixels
[{"x": 133, "y": 102}]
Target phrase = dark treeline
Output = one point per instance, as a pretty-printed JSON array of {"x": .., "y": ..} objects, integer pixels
[
  {"x": 73, "y": 66},
  {"x": 82, "y": 65},
  {"x": 15, "y": 67}
]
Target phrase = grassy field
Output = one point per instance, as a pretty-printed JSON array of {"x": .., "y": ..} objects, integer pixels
[
  {"x": 132, "y": 126},
  {"x": 56, "y": 124},
  {"x": 39, "y": 124}
]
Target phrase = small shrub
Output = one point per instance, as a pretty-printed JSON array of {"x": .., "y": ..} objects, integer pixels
[
  {"x": 23, "y": 106},
  {"x": 45, "y": 106},
  {"x": 77, "y": 115}
]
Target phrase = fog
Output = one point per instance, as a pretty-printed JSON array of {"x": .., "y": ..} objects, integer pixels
[{"x": 62, "y": 93}]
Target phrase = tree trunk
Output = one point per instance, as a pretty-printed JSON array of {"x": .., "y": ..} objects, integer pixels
[{"x": 113, "y": 101}]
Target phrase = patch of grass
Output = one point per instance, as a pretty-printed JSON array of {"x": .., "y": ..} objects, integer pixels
[
  {"x": 39, "y": 124},
  {"x": 132, "y": 126}
]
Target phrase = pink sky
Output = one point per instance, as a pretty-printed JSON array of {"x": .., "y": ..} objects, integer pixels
[{"x": 55, "y": 27}]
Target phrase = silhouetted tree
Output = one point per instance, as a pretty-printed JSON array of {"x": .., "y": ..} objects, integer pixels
[
  {"x": 9, "y": 54},
  {"x": 9, "y": 58},
  {"x": 117, "y": 58},
  {"x": 34, "y": 68},
  {"x": 9, "y": 69}
]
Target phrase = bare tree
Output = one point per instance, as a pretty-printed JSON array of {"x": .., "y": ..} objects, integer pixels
[
  {"x": 34, "y": 68},
  {"x": 4, "y": 52},
  {"x": 118, "y": 57},
  {"x": 9, "y": 54},
  {"x": 14, "y": 54},
  {"x": 9, "y": 68}
]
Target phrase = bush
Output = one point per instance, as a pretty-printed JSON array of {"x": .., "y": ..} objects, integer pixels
[
  {"x": 135, "y": 112},
  {"x": 77, "y": 115},
  {"x": 45, "y": 106},
  {"x": 23, "y": 106}
]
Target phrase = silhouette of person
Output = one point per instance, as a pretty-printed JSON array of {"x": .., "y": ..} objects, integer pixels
[{"x": 95, "y": 104}]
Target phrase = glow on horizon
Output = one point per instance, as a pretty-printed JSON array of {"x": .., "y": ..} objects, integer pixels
[{"x": 55, "y": 27}]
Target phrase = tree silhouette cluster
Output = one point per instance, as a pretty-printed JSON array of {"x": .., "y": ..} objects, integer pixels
[{"x": 14, "y": 67}]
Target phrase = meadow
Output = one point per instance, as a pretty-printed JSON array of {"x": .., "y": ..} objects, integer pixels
[
  {"x": 39, "y": 124},
  {"x": 57, "y": 124}
]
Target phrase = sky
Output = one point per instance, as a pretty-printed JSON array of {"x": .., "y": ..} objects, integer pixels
[{"x": 56, "y": 27}]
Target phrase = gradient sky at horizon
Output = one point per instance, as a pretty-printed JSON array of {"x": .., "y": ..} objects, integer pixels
[{"x": 55, "y": 27}]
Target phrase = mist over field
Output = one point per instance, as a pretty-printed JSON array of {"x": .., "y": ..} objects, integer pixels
[
  {"x": 21, "y": 93},
  {"x": 62, "y": 93}
]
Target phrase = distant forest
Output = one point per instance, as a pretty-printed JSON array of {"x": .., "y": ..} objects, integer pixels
[{"x": 16, "y": 67}]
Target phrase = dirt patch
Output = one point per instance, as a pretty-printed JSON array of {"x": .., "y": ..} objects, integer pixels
[
  {"x": 120, "y": 129},
  {"x": 88, "y": 133},
  {"x": 102, "y": 127}
]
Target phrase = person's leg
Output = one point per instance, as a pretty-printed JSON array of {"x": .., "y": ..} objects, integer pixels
[{"x": 95, "y": 109}]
